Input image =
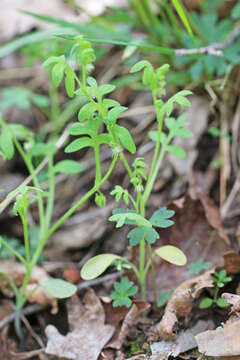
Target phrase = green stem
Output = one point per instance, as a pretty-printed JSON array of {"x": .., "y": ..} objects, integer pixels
[
  {"x": 71, "y": 211},
  {"x": 25, "y": 230},
  {"x": 154, "y": 278},
  {"x": 54, "y": 111},
  {"x": 14, "y": 252},
  {"x": 51, "y": 193},
  {"x": 30, "y": 168},
  {"x": 98, "y": 164},
  {"x": 142, "y": 275}
]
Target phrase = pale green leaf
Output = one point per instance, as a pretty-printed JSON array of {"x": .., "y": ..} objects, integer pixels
[
  {"x": 171, "y": 254},
  {"x": 68, "y": 167},
  {"x": 97, "y": 265},
  {"x": 59, "y": 288}
]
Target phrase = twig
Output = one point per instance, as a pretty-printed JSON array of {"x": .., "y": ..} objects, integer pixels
[{"x": 215, "y": 49}]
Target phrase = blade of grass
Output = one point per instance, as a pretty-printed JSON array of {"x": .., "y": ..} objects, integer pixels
[
  {"x": 21, "y": 41},
  {"x": 181, "y": 12}
]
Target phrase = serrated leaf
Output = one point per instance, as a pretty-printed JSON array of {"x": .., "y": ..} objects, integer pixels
[
  {"x": 126, "y": 138},
  {"x": 139, "y": 66},
  {"x": 6, "y": 143},
  {"x": 78, "y": 144},
  {"x": 172, "y": 254},
  {"x": 176, "y": 151},
  {"x": 206, "y": 303},
  {"x": 68, "y": 167},
  {"x": 160, "y": 218},
  {"x": 97, "y": 265},
  {"x": 59, "y": 288}
]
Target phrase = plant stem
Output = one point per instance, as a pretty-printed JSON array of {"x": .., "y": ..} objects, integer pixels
[
  {"x": 25, "y": 230},
  {"x": 51, "y": 193},
  {"x": 98, "y": 165},
  {"x": 54, "y": 101},
  {"x": 142, "y": 275},
  {"x": 71, "y": 211},
  {"x": 153, "y": 272}
]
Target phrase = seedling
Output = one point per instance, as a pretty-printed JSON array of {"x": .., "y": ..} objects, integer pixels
[
  {"x": 96, "y": 126},
  {"x": 220, "y": 278}
]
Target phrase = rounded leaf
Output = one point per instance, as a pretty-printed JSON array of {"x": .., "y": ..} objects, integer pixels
[
  {"x": 206, "y": 303},
  {"x": 172, "y": 254},
  {"x": 222, "y": 303},
  {"x": 59, "y": 288},
  {"x": 97, "y": 265}
]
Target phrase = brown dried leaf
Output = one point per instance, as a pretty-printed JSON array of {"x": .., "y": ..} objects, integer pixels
[
  {"x": 180, "y": 304},
  {"x": 233, "y": 300},
  {"x": 89, "y": 334},
  {"x": 220, "y": 342}
]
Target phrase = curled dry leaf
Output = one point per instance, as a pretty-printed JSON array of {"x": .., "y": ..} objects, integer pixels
[
  {"x": 89, "y": 332},
  {"x": 220, "y": 342},
  {"x": 180, "y": 304},
  {"x": 16, "y": 272}
]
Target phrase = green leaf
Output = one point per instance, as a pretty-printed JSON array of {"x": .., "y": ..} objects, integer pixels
[
  {"x": 161, "y": 216},
  {"x": 171, "y": 254},
  {"x": 57, "y": 73},
  {"x": 59, "y": 288},
  {"x": 78, "y": 144},
  {"x": 105, "y": 89},
  {"x": 153, "y": 135},
  {"x": 122, "y": 217},
  {"x": 138, "y": 233},
  {"x": 68, "y": 167},
  {"x": 41, "y": 149},
  {"x": 86, "y": 112},
  {"x": 6, "y": 143},
  {"x": 198, "y": 266},
  {"x": 113, "y": 114},
  {"x": 126, "y": 138},
  {"x": 104, "y": 139},
  {"x": 163, "y": 297},
  {"x": 80, "y": 129},
  {"x": 97, "y": 265},
  {"x": 176, "y": 151},
  {"x": 70, "y": 82},
  {"x": 51, "y": 61},
  {"x": 123, "y": 290},
  {"x": 125, "y": 211},
  {"x": 222, "y": 303},
  {"x": 183, "y": 133},
  {"x": 206, "y": 303},
  {"x": 139, "y": 66}
]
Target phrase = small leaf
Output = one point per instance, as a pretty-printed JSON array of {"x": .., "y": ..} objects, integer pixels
[
  {"x": 163, "y": 297},
  {"x": 172, "y": 254},
  {"x": 78, "y": 144},
  {"x": 161, "y": 216},
  {"x": 97, "y": 265},
  {"x": 6, "y": 143},
  {"x": 139, "y": 66},
  {"x": 176, "y": 151},
  {"x": 123, "y": 290},
  {"x": 57, "y": 73},
  {"x": 106, "y": 89},
  {"x": 198, "y": 266},
  {"x": 59, "y": 288},
  {"x": 153, "y": 134},
  {"x": 222, "y": 303},
  {"x": 70, "y": 82},
  {"x": 86, "y": 112},
  {"x": 122, "y": 217},
  {"x": 138, "y": 233},
  {"x": 206, "y": 303},
  {"x": 183, "y": 133},
  {"x": 126, "y": 138},
  {"x": 68, "y": 167}
]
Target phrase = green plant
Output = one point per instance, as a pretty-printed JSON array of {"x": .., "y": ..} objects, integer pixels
[
  {"x": 220, "y": 278},
  {"x": 144, "y": 233},
  {"x": 96, "y": 126},
  {"x": 198, "y": 266}
]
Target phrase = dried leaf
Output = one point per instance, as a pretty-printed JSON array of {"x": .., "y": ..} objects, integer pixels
[
  {"x": 220, "y": 342},
  {"x": 89, "y": 333},
  {"x": 180, "y": 304},
  {"x": 232, "y": 262}
]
